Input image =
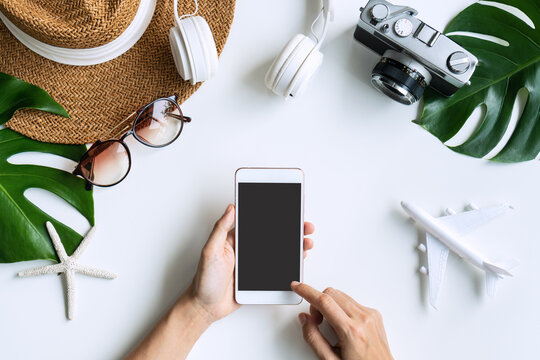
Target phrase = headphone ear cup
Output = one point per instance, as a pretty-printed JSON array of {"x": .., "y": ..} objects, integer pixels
[
  {"x": 208, "y": 44},
  {"x": 194, "y": 49},
  {"x": 297, "y": 63},
  {"x": 306, "y": 71},
  {"x": 180, "y": 53},
  {"x": 275, "y": 71},
  {"x": 198, "y": 62}
]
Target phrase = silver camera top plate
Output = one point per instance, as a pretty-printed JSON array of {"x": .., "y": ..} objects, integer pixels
[{"x": 399, "y": 28}]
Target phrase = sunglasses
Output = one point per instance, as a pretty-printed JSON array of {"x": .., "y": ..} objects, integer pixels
[{"x": 158, "y": 124}]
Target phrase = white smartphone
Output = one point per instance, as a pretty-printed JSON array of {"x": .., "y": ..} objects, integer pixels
[{"x": 269, "y": 234}]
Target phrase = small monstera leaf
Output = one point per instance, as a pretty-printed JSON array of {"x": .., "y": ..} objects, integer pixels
[
  {"x": 17, "y": 94},
  {"x": 23, "y": 235},
  {"x": 503, "y": 70}
]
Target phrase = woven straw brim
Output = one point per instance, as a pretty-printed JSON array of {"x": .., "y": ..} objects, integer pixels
[
  {"x": 98, "y": 97},
  {"x": 76, "y": 24}
]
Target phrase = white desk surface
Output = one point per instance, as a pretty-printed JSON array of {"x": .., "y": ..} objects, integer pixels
[{"x": 361, "y": 155}]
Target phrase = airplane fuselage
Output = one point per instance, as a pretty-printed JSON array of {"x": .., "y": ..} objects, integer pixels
[
  {"x": 445, "y": 235},
  {"x": 456, "y": 245}
]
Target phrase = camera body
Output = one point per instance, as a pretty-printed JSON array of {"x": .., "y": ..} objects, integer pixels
[{"x": 414, "y": 55}]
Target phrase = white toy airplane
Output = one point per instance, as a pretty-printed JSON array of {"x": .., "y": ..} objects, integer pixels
[{"x": 446, "y": 233}]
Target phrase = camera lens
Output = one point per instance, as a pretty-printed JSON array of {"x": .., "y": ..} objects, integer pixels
[{"x": 400, "y": 77}]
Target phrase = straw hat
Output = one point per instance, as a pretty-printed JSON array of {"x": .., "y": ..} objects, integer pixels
[{"x": 97, "y": 97}]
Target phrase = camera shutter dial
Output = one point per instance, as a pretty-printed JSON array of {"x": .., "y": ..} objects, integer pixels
[
  {"x": 379, "y": 12},
  {"x": 403, "y": 27},
  {"x": 458, "y": 62}
]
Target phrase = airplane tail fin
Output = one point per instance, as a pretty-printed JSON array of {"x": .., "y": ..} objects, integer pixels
[{"x": 502, "y": 268}]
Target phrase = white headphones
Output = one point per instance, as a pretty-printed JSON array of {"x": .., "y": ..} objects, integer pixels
[
  {"x": 193, "y": 46},
  {"x": 299, "y": 59}
]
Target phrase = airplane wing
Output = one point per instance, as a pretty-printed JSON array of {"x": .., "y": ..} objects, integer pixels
[
  {"x": 466, "y": 221},
  {"x": 437, "y": 255}
]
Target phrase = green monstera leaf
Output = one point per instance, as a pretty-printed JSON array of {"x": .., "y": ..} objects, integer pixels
[
  {"x": 17, "y": 94},
  {"x": 506, "y": 65},
  {"x": 23, "y": 235}
]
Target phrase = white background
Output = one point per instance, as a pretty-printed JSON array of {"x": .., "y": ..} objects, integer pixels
[{"x": 361, "y": 155}]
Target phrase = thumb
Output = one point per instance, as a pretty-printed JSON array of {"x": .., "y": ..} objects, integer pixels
[
  {"x": 222, "y": 227},
  {"x": 315, "y": 338}
]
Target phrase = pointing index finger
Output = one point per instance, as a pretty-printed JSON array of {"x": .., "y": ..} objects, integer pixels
[{"x": 325, "y": 304}]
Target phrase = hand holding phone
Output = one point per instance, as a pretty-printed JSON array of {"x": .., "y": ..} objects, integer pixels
[
  {"x": 212, "y": 287},
  {"x": 208, "y": 298}
]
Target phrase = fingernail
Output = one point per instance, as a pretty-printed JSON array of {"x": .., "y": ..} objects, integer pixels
[
  {"x": 295, "y": 283},
  {"x": 228, "y": 209},
  {"x": 302, "y": 318}
]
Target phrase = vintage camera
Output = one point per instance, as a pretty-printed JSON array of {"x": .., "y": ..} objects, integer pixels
[{"x": 414, "y": 55}]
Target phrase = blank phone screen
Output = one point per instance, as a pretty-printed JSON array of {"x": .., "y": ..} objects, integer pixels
[{"x": 269, "y": 216}]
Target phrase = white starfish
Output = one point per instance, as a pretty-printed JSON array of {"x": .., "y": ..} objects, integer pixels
[{"x": 68, "y": 266}]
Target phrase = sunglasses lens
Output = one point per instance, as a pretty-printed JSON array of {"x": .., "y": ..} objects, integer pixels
[
  {"x": 106, "y": 164},
  {"x": 160, "y": 123}
]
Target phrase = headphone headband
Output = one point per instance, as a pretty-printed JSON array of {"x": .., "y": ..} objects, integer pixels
[
  {"x": 327, "y": 13},
  {"x": 328, "y": 10},
  {"x": 178, "y": 18}
]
